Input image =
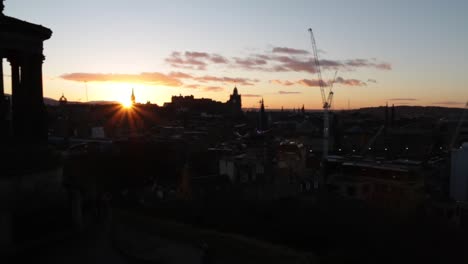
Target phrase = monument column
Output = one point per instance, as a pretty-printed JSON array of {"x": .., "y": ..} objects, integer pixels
[
  {"x": 16, "y": 97},
  {"x": 31, "y": 76},
  {"x": 3, "y": 107},
  {"x": 2, "y": 90}
]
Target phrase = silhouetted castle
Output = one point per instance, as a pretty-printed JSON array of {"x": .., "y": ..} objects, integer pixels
[{"x": 190, "y": 104}]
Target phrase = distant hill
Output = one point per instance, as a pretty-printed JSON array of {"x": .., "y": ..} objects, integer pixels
[
  {"x": 412, "y": 111},
  {"x": 102, "y": 102},
  {"x": 50, "y": 101},
  {"x": 53, "y": 102}
]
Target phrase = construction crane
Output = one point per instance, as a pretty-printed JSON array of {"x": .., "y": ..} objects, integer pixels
[{"x": 327, "y": 99}]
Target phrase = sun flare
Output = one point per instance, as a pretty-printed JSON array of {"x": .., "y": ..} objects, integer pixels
[{"x": 126, "y": 103}]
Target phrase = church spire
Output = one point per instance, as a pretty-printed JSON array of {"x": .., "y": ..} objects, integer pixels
[{"x": 132, "y": 98}]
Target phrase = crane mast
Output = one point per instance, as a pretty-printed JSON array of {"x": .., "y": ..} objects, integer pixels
[{"x": 326, "y": 100}]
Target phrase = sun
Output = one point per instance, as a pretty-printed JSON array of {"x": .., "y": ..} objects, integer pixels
[{"x": 126, "y": 103}]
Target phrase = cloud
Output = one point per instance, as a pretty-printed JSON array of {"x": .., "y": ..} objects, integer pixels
[
  {"x": 288, "y": 92},
  {"x": 240, "y": 81},
  {"x": 289, "y": 50},
  {"x": 285, "y": 83},
  {"x": 213, "y": 89},
  {"x": 204, "y": 88},
  {"x": 194, "y": 60},
  {"x": 350, "y": 82},
  {"x": 218, "y": 59},
  {"x": 173, "y": 79},
  {"x": 355, "y": 63},
  {"x": 371, "y": 80},
  {"x": 402, "y": 99},
  {"x": 316, "y": 83},
  {"x": 251, "y": 95},
  {"x": 292, "y": 63},
  {"x": 192, "y": 86},
  {"x": 180, "y": 75},
  {"x": 155, "y": 78},
  {"x": 279, "y": 59},
  {"x": 310, "y": 83},
  {"x": 250, "y": 62}
]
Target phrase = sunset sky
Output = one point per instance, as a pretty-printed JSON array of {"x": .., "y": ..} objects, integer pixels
[{"x": 400, "y": 52}]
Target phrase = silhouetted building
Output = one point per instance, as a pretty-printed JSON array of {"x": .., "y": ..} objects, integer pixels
[
  {"x": 196, "y": 106},
  {"x": 63, "y": 100},
  {"x": 235, "y": 102},
  {"x": 263, "y": 118},
  {"x": 132, "y": 97},
  {"x": 22, "y": 45},
  {"x": 391, "y": 186}
]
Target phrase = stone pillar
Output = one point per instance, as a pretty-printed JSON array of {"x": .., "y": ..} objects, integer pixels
[
  {"x": 28, "y": 110},
  {"x": 3, "y": 127},
  {"x": 16, "y": 98},
  {"x": 2, "y": 91},
  {"x": 31, "y": 81}
]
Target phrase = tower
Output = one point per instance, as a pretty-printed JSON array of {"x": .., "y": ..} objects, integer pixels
[
  {"x": 63, "y": 100},
  {"x": 132, "y": 97},
  {"x": 263, "y": 119},
  {"x": 235, "y": 102}
]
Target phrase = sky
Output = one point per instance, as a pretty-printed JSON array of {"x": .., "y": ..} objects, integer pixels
[{"x": 400, "y": 52}]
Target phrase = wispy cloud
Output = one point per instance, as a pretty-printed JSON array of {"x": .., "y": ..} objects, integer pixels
[
  {"x": 194, "y": 60},
  {"x": 285, "y": 83},
  {"x": 250, "y": 62},
  {"x": 174, "y": 79},
  {"x": 204, "y": 88},
  {"x": 192, "y": 86},
  {"x": 288, "y": 92},
  {"x": 213, "y": 89},
  {"x": 154, "y": 78},
  {"x": 372, "y": 81},
  {"x": 311, "y": 83},
  {"x": 350, "y": 82},
  {"x": 226, "y": 80},
  {"x": 402, "y": 99},
  {"x": 303, "y": 63},
  {"x": 316, "y": 83},
  {"x": 289, "y": 50},
  {"x": 180, "y": 75},
  {"x": 279, "y": 59}
]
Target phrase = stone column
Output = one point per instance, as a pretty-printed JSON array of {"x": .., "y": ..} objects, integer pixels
[
  {"x": 16, "y": 98},
  {"x": 29, "y": 122},
  {"x": 3, "y": 128},
  {"x": 37, "y": 98},
  {"x": 31, "y": 82},
  {"x": 2, "y": 91}
]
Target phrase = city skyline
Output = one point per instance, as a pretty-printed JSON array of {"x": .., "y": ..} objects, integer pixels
[{"x": 403, "y": 53}]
